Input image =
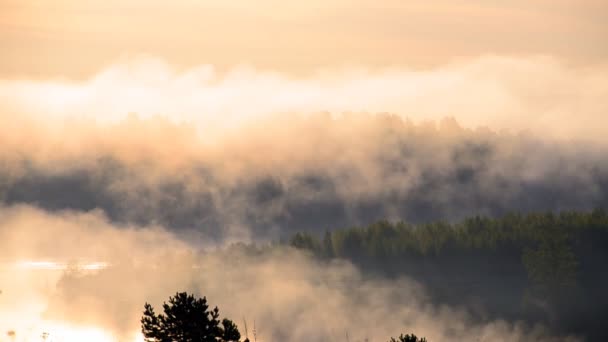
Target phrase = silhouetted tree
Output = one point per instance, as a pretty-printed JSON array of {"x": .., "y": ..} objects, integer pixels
[
  {"x": 187, "y": 319},
  {"x": 408, "y": 338}
]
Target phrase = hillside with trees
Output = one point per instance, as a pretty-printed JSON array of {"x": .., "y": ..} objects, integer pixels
[{"x": 541, "y": 267}]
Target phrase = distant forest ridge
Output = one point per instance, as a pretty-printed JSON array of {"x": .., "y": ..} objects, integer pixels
[
  {"x": 384, "y": 239},
  {"x": 315, "y": 172},
  {"x": 541, "y": 267}
]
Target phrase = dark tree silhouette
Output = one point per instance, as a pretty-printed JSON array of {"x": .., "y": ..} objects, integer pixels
[
  {"x": 408, "y": 338},
  {"x": 187, "y": 319}
]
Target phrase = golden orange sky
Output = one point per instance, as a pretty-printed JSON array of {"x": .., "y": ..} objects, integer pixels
[{"x": 75, "y": 39}]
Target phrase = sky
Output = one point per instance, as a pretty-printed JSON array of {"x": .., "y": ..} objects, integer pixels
[
  {"x": 75, "y": 39},
  {"x": 537, "y": 66}
]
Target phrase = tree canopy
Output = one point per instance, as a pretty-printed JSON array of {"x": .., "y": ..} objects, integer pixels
[
  {"x": 547, "y": 267},
  {"x": 187, "y": 319},
  {"x": 408, "y": 338}
]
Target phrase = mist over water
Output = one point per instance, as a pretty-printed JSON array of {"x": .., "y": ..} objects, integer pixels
[
  {"x": 289, "y": 295},
  {"x": 102, "y": 210}
]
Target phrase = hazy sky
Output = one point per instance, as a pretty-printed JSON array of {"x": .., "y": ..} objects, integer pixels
[{"x": 75, "y": 39}]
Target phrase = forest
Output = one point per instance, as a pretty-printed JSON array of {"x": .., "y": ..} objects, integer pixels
[
  {"x": 434, "y": 229},
  {"x": 542, "y": 267}
]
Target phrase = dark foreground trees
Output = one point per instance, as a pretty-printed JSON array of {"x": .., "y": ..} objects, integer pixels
[
  {"x": 187, "y": 319},
  {"x": 408, "y": 338}
]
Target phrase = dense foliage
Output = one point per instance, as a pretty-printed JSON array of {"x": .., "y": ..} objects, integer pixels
[
  {"x": 546, "y": 266},
  {"x": 408, "y": 338},
  {"x": 187, "y": 319}
]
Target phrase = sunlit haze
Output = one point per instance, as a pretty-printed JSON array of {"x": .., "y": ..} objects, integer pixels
[{"x": 319, "y": 170}]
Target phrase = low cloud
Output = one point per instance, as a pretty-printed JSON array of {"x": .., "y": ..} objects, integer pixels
[
  {"x": 538, "y": 93},
  {"x": 253, "y": 155},
  {"x": 269, "y": 179},
  {"x": 290, "y": 296}
]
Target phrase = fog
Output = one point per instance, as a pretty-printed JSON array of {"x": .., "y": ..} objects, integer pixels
[
  {"x": 288, "y": 295},
  {"x": 138, "y": 182},
  {"x": 541, "y": 94},
  {"x": 268, "y": 179}
]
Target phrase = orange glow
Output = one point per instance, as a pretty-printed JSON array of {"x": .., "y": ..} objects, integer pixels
[{"x": 77, "y": 38}]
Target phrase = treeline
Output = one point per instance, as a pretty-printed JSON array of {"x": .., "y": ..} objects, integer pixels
[
  {"x": 186, "y": 318},
  {"x": 547, "y": 267}
]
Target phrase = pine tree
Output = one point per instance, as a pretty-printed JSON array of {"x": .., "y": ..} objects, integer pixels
[
  {"x": 187, "y": 319},
  {"x": 408, "y": 338}
]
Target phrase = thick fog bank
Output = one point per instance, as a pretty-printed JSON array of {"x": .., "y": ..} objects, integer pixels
[
  {"x": 288, "y": 295},
  {"x": 303, "y": 173}
]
